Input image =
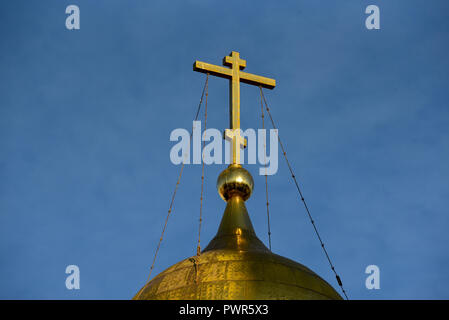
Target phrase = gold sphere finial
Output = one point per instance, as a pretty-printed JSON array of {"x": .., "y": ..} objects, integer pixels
[{"x": 235, "y": 180}]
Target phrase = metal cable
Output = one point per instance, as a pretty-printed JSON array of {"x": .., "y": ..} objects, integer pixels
[
  {"x": 303, "y": 200},
  {"x": 198, "y": 249},
  {"x": 266, "y": 171},
  {"x": 176, "y": 187}
]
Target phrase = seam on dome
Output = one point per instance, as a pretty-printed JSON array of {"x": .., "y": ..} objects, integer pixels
[
  {"x": 220, "y": 281},
  {"x": 308, "y": 271}
]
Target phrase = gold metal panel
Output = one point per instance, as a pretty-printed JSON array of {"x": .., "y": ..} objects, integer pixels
[
  {"x": 212, "y": 272},
  {"x": 211, "y": 291},
  {"x": 177, "y": 279},
  {"x": 244, "y": 270},
  {"x": 248, "y": 275},
  {"x": 234, "y": 290},
  {"x": 278, "y": 272}
]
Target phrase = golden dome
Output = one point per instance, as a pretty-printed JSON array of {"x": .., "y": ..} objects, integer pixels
[{"x": 236, "y": 264}]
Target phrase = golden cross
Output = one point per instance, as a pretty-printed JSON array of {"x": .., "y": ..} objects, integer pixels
[{"x": 235, "y": 76}]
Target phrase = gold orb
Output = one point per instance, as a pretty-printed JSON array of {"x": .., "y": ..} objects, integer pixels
[{"x": 235, "y": 180}]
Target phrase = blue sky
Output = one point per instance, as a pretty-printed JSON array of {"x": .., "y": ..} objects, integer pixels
[{"x": 85, "y": 119}]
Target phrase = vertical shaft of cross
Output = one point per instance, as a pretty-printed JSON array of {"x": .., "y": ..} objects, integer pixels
[
  {"x": 236, "y": 64},
  {"x": 235, "y": 76},
  {"x": 234, "y": 87}
]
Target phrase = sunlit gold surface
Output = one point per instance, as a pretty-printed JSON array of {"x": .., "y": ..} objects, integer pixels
[
  {"x": 227, "y": 73},
  {"x": 231, "y": 274},
  {"x": 235, "y": 180},
  {"x": 235, "y": 75},
  {"x": 236, "y": 231},
  {"x": 237, "y": 265}
]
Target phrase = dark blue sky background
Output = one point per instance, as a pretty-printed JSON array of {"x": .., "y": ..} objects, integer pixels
[{"x": 85, "y": 119}]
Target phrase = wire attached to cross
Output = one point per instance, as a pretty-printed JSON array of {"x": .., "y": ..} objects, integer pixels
[
  {"x": 340, "y": 283},
  {"x": 170, "y": 209}
]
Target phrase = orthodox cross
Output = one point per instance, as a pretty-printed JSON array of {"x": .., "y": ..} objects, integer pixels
[{"x": 235, "y": 76}]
